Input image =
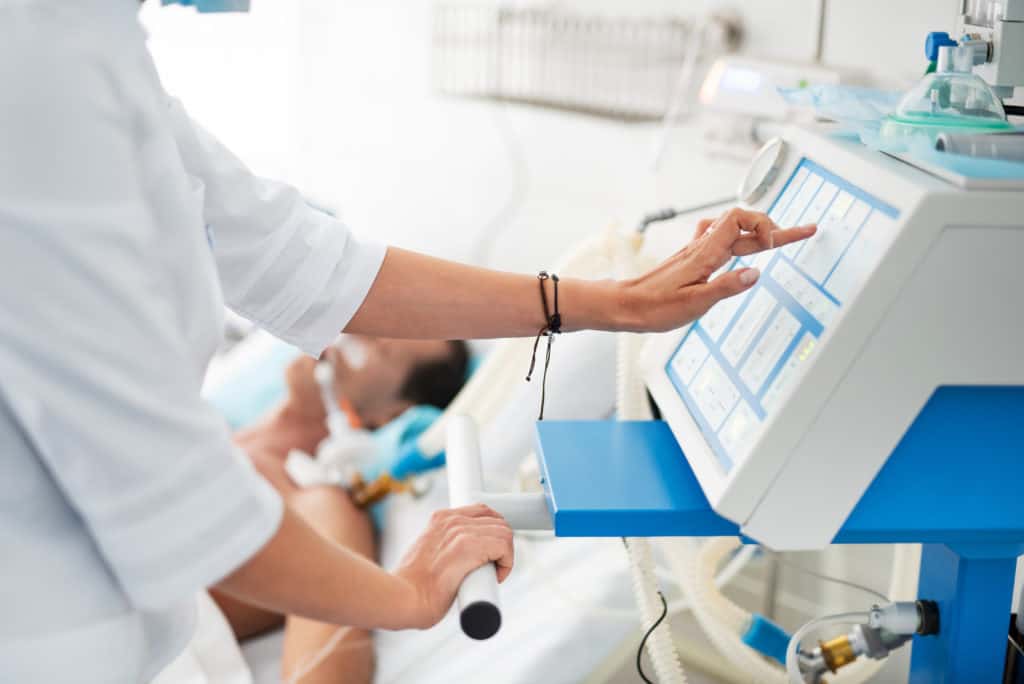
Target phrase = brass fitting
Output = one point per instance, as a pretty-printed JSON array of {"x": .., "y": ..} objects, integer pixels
[
  {"x": 837, "y": 652},
  {"x": 365, "y": 494}
]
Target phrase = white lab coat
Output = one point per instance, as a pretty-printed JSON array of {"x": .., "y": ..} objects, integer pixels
[{"x": 124, "y": 228}]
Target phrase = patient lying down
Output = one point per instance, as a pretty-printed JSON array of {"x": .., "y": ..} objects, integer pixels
[{"x": 377, "y": 381}]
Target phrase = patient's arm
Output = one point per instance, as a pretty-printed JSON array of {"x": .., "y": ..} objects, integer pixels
[
  {"x": 271, "y": 466},
  {"x": 330, "y": 511},
  {"x": 420, "y": 296}
]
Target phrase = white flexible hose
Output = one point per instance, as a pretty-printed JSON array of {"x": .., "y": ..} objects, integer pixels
[
  {"x": 902, "y": 586},
  {"x": 794, "y": 675},
  {"x": 683, "y": 555},
  {"x": 708, "y": 559},
  {"x": 631, "y": 404},
  {"x": 728, "y": 573},
  {"x": 631, "y": 394},
  {"x": 660, "y": 646}
]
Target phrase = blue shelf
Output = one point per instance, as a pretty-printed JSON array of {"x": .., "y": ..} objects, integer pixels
[
  {"x": 622, "y": 479},
  {"x": 955, "y": 478}
]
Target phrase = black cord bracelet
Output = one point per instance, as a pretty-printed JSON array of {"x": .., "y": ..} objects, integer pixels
[{"x": 552, "y": 326}]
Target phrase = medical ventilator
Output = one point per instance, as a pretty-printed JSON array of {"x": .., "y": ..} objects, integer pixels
[
  {"x": 866, "y": 390},
  {"x": 858, "y": 393}
]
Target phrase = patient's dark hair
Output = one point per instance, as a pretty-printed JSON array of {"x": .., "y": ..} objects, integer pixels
[{"x": 437, "y": 381}]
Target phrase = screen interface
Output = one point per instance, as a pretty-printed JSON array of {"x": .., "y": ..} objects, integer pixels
[{"x": 735, "y": 364}]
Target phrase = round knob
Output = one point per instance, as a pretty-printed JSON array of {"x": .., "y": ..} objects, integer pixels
[
  {"x": 480, "y": 620},
  {"x": 763, "y": 170}
]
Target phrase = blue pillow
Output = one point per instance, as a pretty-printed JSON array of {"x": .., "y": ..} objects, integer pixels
[
  {"x": 255, "y": 389},
  {"x": 397, "y": 436}
]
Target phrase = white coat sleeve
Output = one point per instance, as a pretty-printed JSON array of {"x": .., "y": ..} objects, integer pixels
[
  {"x": 97, "y": 366},
  {"x": 296, "y": 271}
]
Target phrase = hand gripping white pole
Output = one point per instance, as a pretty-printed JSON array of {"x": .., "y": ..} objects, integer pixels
[{"x": 479, "y": 613}]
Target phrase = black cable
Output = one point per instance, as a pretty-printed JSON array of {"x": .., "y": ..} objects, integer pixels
[
  {"x": 1013, "y": 110},
  {"x": 656, "y": 217},
  {"x": 643, "y": 642},
  {"x": 670, "y": 213}
]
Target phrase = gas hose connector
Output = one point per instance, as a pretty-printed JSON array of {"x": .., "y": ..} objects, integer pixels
[
  {"x": 906, "y": 617},
  {"x": 839, "y": 652}
]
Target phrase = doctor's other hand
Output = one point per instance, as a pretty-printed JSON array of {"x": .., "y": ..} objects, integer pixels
[
  {"x": 456, "y": 542},
  {"x": 680, "y": 289}
]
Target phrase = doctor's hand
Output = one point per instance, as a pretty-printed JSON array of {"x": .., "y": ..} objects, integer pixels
[
  {"x": 455, "y": 543},
  {"x": 680, "y": 289}
]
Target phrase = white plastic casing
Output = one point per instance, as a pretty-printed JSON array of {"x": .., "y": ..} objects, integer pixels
[{"x": 942, "y": 307}]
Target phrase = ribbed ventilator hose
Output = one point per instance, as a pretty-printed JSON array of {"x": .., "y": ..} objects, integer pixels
[
  {"x": 707, "y": 562},
  {"x": 631, "y": 404},
  {"x": 720, "y": 619},
  {"x": 631, "y": 394},
  {"x": 683, "y": 555},
  {"x": 660, "y": 646}
]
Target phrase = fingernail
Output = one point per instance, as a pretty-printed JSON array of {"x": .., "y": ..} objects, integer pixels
[{"x": 749, "y": 276}]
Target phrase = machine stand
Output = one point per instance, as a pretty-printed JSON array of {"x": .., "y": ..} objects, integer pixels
[
  {"x": 631, "y": 479},
  {"x": 973, "y": 593}
]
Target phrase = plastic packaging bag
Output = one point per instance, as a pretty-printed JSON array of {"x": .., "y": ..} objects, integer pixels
[{"x": 854, "y": 107}]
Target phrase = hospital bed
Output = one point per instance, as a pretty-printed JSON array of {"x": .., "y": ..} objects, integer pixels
[{"x": 561, "y": 595}]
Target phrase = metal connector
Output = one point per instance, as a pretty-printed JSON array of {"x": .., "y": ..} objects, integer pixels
[
  {"x": 888, "y": 628},
  {"x": 837, "y": 652},
  {"x": 906, "y": 617}
]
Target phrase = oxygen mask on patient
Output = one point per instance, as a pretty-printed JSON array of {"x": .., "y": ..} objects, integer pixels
[
  {"x": 347, "y": 448},
  {"x": 349, "y": 456}
]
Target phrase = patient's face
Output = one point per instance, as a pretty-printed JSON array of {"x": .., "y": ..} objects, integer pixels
[{"x": 373, "y": 386}]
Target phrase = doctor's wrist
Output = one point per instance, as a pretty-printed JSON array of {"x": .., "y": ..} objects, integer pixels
[{"x": 594, "y": 305}]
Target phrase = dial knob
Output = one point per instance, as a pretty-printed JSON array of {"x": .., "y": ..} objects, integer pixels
[{"x": 763, "y": 170}]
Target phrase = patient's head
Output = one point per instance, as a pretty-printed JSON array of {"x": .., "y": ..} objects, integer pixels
[{"x": 381, "y": 377}]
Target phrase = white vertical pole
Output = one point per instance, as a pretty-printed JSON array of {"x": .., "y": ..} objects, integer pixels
[{"x": 479, "y": 613}]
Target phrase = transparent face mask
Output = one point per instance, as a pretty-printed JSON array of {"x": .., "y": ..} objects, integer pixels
[
  {"x": 950, "y": 100},
  {"x": 352, "y": 350}
]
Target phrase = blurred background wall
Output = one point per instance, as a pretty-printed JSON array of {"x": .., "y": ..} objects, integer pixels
[{"x": 336, "y": 97}]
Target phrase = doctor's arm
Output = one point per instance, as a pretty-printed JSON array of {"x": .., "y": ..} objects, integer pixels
[
  {"x": 419, "y": 296},
  {"x": 303, "y": 275},
  {"x": 299, "y": 571}
]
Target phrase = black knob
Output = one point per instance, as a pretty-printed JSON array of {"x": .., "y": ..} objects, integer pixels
[{"x": 480, "y": 620}]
